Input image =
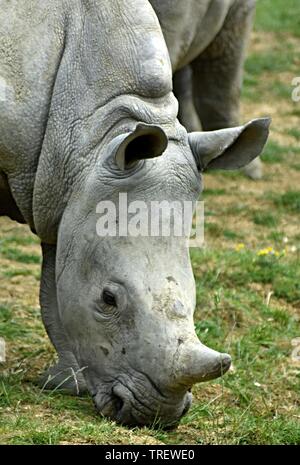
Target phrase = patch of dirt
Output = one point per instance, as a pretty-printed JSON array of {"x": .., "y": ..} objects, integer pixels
[
  {"x": 20, "y": 288},
  {"x": 279, "y": 109},
  {"x": 282, "y": 119},
  {"x": 264, "y": 41}
]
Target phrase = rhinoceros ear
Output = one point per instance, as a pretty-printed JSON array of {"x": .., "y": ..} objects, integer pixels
[
  {"x": 231, "y": 148},
  {"x": 146, "y": 141}
]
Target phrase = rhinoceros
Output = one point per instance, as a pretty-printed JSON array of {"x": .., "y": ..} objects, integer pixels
[
  {"x": 207, "y": 41},
  {"x": 87, "y": 112}
]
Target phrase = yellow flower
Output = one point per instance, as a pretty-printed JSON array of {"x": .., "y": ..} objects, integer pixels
[
  {"x": 270, "y": 251},
  {"x": 266, "y": 251},
  {"x": 239, "y": 247}
]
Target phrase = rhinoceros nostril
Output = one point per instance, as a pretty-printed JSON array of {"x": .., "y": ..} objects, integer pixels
[
  {"x": 118, "y": 403},
  {"x": 225, "y": 362},
  {"x": 185, "y": 409},
  {"x": 188, "y": 402}
]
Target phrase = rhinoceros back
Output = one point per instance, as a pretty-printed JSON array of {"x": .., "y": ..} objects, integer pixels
[
  {"x": 189, "y": 26},
  {"x": 61, "y": 62}
]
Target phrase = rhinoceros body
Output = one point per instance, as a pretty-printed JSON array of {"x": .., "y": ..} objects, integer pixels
[
  {"x": 86, "y": 113},
  {"x": 207, "y": 41}
]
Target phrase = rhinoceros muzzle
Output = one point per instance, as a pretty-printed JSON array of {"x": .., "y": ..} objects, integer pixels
[
  {"x": 129, "y": 407},
  {"x": 134, "y": 399}
]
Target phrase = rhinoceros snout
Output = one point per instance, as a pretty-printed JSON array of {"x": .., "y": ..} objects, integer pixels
[{"x": 126, "y": 407}]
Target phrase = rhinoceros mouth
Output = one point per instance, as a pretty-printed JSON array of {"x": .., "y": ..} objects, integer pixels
[{"x": 125, "y": 406}]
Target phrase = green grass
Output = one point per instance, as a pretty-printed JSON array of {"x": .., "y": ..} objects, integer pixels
[
  {"x": 217, "y": 230},
  {"x": 271, "y": 61},
  {"x": 265, "y": 219},
  {"x": 278, "y": 16},
  {"x": 289, "y": 201},
  {"x": 262, "y": 80},
  {"x": 295, "y": 133},
  {"x": 276, "y": 153},
  {"x": 214, "y": 229},
  {"x": 237, "y": 270},
  {"x": 19, "y": 256},
  {"x": 273, "y": 153},
  {"x": 232, "y": 235},
  {"x": 281, "y": 90},
  {"x": 229, "y": 316},
  {"x": 19, "y": 240},
  {"x": 213, "y": 192},
  {"x": 12, "y": 272}
]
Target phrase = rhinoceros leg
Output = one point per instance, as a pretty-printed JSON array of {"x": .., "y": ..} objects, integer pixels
[
  {"x": 218, "y": 73},
  {"x": 187, "y": 115},
  {"x": 66, "y": 374},
  {"x": 8, "y": 206}
]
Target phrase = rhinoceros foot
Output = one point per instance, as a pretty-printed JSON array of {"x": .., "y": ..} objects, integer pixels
[{"x": 60, "y": 377}]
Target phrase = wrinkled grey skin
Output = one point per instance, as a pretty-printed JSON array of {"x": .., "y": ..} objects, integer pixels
[
  {"x": 207, "y": 40},
  {"x": 87, "y": 112}
]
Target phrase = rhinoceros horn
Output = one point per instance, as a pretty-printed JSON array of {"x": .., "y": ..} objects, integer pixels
[{"x": 198, "y": 363}]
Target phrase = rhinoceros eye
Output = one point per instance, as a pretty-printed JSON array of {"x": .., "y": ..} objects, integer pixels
[{"x": 109, "y": 298}]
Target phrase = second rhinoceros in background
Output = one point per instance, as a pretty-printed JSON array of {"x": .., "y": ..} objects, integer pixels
[
  {"x": 86, "y": 113},
  {"x": 207, "y": 40}
]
